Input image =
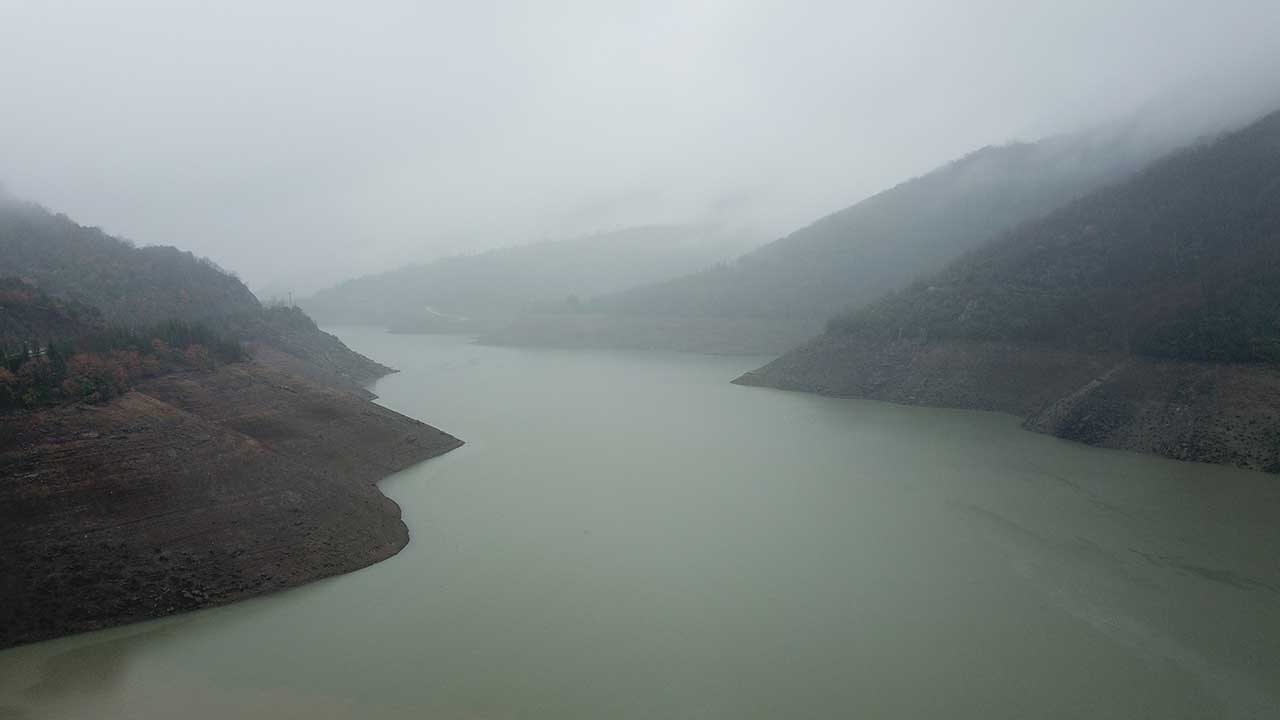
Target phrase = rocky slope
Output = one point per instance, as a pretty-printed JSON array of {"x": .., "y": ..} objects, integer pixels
[
  {"x": 1225, "y": 413},
  {"x": 193, "y": 489},
  {"x": 1142, "y": 317}
]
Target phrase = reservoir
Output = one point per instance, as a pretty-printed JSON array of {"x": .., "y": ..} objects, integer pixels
[{"x": 628, "y": 535}]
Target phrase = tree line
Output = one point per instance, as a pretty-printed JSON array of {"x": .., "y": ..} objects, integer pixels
[{"x": 103, "y": 365}]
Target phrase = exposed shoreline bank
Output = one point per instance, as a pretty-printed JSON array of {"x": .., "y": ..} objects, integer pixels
[
  {"x": 1221, "y": 413},
  {"x": 191, "y": 491}
]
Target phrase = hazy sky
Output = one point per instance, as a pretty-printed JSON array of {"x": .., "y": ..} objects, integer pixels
[{"x": 301, "y": 142}]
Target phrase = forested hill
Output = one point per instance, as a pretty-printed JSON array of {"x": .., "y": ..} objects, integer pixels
[
  {"x": 55, "y": 351},
  {"x": 1182, "y": 261},
  {"x": 129, "y": 285},
  {"x": 786, "y": 290},
  {"x": 132, "y": 287},
  {"x": 475, "y": 291},
  {"x": 1144, "y": 316},
  {"x": 31, "y": 317}
]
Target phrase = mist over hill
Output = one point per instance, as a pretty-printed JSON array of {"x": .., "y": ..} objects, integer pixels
[
  {"x": 139, "y": 287},
  {"x": 1181, "y": 262},
  {"x": 781, "y": 294},
  {"x": 478, "y": 292},
  {"x": 1142, "y": 316}
]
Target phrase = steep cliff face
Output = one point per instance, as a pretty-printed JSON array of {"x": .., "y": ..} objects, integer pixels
[
  {"x": 1142, "y": 317},
  {"x": 194, "y": 489}
]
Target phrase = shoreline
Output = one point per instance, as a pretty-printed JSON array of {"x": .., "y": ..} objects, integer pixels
[
  {"x": 192, "y": 491},
  {"x": 1215, "y": 413}
]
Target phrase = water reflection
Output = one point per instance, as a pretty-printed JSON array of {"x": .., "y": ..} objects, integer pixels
[{"x": 92, "y": 665}]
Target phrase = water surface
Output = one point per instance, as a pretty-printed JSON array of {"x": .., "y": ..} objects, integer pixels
[{"x": 627, "y": 535}]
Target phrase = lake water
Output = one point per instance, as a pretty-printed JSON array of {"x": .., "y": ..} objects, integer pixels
[{"x": 628, "y": 535}]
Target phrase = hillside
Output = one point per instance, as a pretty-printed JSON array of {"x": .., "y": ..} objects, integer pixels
[
  {"x": 167, "y": 443},
  {"x": 207, "y": 486},
  {"x": 478, "y": 292},
  {"x": 780, "y": 295},
  {"x": 28, "y": 315},
  {"x": 141, "y": 287},
  {"x": 55, "y": 351},
  {"x": 1142, "y": 316}
]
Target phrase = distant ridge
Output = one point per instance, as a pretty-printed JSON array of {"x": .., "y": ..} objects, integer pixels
[
  {"x": 781, "y": 294},
  {"x": 471, "y": 293}
]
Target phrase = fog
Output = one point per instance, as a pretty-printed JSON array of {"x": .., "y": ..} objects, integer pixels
[{"x": 300, "y": 143}]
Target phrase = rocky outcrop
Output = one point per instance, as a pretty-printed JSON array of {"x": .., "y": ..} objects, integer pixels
[
  {"x": 194, "y": 489},
  {"x": 1227, "y": 413}
]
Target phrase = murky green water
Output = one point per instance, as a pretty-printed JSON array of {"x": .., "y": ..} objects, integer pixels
[{"x": 630, "y": 536}]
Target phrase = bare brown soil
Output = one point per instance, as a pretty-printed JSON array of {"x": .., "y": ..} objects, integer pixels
[
  {"x": 193, "y": 489},
  {"x": 1227, "y": 413}
]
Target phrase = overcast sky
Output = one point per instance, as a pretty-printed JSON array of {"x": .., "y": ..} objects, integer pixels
[{"x": 302, "y": 142}]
